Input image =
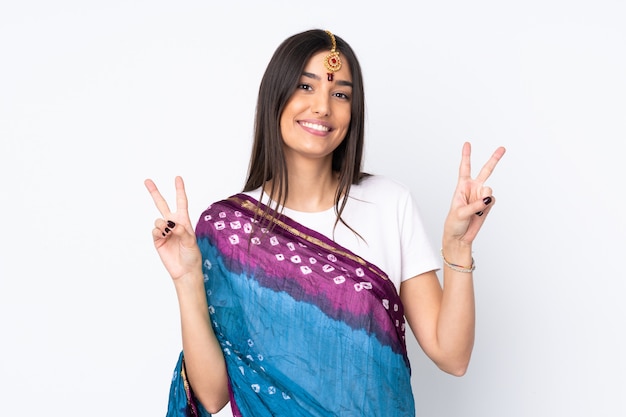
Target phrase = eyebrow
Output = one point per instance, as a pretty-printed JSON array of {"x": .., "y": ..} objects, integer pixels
[{"x": 318, "y": 78}]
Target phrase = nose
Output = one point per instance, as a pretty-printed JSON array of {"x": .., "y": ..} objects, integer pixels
[{"x": 320, "y": 104}]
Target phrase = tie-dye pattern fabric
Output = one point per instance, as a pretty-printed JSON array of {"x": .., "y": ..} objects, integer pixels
[{"x": 307, "y": 328}]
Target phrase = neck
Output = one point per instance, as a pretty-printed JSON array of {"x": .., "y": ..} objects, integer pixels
[{"x": 312, "y": 186}]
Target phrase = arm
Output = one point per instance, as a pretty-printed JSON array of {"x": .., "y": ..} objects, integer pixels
[
  {"x": 443, "y": 319},
  {"x": 175, "y": 242}
]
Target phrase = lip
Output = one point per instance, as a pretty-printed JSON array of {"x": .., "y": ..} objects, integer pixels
[{"x": 315, "y": 127}]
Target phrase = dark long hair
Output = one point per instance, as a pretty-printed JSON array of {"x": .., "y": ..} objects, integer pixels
[{"x": 279, "y": 82}]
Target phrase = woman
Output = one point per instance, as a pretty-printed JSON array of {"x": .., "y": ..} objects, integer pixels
[{"x": 293, "y": 293}]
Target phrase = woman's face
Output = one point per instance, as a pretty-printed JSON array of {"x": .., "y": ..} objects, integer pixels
[{"x": 317, "y": 116}]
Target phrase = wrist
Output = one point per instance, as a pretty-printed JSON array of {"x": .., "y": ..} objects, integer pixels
[
  {"x": 467, "y": 269},
  {"x": 457, "y": 253},
  {"x": 190, "y": 281}
]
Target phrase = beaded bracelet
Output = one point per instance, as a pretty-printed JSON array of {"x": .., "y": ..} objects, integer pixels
[{"x": 458, "y": 268}]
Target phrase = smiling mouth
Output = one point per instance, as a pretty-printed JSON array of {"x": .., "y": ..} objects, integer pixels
[{"x": 315, "y": 126}]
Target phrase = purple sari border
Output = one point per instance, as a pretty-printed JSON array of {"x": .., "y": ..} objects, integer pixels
[{"x": 281, "y": 220}]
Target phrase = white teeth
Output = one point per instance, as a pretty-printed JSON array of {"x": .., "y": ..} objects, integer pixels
[{"x": 315, "y": 126}]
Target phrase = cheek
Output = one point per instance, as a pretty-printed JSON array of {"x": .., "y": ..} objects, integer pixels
[
  {"x": 346, "y": 114},
  {"x": 347, "y": 119},
  {"x": 284, "y": 122}
]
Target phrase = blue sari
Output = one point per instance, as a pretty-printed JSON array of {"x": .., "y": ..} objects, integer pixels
[{"x": 307, "y": 327}]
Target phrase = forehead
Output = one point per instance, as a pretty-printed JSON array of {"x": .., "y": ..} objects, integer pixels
[{"x": 315, "y": 65}]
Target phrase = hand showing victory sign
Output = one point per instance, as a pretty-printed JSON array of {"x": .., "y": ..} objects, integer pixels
[
  {"x": 472, "y": 200},
  {"x": 174, "y": 237}
]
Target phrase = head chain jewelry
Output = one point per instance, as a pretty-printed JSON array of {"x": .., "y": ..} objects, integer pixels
[{"x": 332, "y": 62}]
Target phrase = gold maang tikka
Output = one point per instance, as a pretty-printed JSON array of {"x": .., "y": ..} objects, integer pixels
[{"x": 332, "y": 62}]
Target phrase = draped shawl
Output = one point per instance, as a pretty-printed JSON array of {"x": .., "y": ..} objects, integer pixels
[{"x": 307, "y": 327}]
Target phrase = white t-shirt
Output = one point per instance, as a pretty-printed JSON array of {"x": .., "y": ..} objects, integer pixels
[{"x": 384, "y": 213}]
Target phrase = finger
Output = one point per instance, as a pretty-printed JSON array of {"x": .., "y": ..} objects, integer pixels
[
  {"x": 161, "y": 234},
  {"x": 181, "y": 195},
  {"x": 485, "y": 192},
  {"x": 465, "y": 169},
  {"x": 483, "y": 213},
  {"x": 158, "y": 199},
  {"x": 181, "y": 230},
  {"x": 157, "y": 234},
  {"x": 182, "y": 202},
  {"x": 481, "y": 208},
  {"x": 165, "y": 226},
  {"x": 488, "y": 168}
]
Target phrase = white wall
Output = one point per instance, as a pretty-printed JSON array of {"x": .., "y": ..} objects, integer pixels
[{"x": 96, "y": 96}]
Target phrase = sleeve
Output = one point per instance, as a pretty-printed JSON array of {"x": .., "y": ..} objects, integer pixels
[
  {"x": 182, "y": 402},
  {"x": 418, "y": 254}
]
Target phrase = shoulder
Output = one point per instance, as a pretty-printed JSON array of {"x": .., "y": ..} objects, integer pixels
[
  {"x": 379, "y": 186},
  {"x": 217, "y": 212}
]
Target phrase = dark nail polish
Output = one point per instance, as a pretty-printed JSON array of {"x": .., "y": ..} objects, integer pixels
[
  {"x": 479, "y": 213},
  {"x": 487, "y": 200},
  {"x": 170, "y": 224},
  {"x": 163, "y": 234},
  {"x": 167, "y": 230}
]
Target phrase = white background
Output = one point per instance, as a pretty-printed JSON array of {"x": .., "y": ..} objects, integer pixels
[{"x": 96, "y": 96}]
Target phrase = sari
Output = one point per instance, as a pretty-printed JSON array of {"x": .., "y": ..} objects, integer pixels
[{"x": 307, "y": 327}]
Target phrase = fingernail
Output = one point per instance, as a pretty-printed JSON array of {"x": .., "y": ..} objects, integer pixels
[
  {"x": 171, "y": 224},
  {"x": 163, "y": 234},
  {"x": 487, "y": 200},
  {"x": 167, "y": 230},
  {"x": 479, "y": 213}
]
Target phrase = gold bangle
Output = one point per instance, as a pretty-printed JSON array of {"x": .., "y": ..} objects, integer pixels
[{"x": 458, "y": 268}]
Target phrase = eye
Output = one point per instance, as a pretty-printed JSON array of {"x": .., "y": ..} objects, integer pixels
[
  {"x": 342, "y": 96},
  {"x": 304, "y": 86}
]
